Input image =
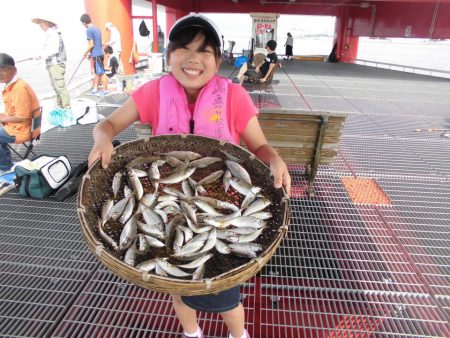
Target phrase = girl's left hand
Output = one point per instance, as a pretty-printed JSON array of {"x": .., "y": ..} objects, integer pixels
[{"x": 280, "y": 174}]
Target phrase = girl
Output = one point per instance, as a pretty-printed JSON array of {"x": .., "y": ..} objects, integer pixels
[{"x": 193, "y": 99}]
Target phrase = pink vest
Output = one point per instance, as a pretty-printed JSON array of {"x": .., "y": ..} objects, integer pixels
[{"x": 210, "y": 113}]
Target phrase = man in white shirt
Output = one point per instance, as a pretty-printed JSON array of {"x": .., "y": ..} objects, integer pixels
[
  {"x": 54, "y": 54},
  {"x": 114, "y": 42}
]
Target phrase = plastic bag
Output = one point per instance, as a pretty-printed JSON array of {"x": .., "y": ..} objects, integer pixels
[
  {"x": 61, "y": 117},
  {"x": 240, "y": 61}
]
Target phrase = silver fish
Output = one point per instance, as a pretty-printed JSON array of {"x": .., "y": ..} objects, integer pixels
[
  {"x": 226, "y": 180},
  {"x": 118, "y": 208},
  {"x": 143, "y": 244},
  {"x": 163, "y": 215},
  {"x": 187, "y": 188},
  {"x": 139, "y": 172},
  {"x": 159, "y": 271},
  {"x": 228, "y": 235},
  {"x": 106, "y": 238},
  {"x": 171, "y": 269},
  {"x": 149, "y": 200},
  {"x": 221, "y": 247},
  {"x": 244, "y": 252},
  {"x": 188, "y": 233},
  {"x": 165, "y": 198},
  {"x": 142, "y": 160},
  {"x": 194, "y": 245},
  {"x": 249, "y": 198},
  {"x": 178, "y": 241},
  {"x": 189, "y": 211},
  {"x": 128, "y": 211},
  {"x": 211, "y": 177},
  {"x": 130, "y": 256},
  {"x": 250, "y": 237},
  {"x": 262, "y": 215},
  {"x": 238, "y": 171},
  {"x": 249, "y": 246},
  {"x": 116, "y": 182},
  {"x": 206, "y": 207},
  {"x": 196, "y": 263},
  {"x": 177, "y": 176},
  {"x": 256, "y": 206},
  {"x": 127, "y": 191},
  {"x": 240, "y": 186},
  {"x": 153, "y": 242},
  {"x": 199, "y": 272},
  {"x": 174, "y": 162},
  {"x": 128, "y": 234},
  {"x": 204, "y": 162},
  {"x": 231, "y": 157},
  {"x": 154, "y": 175},
  {"x": 247, "y": 221},
  {"x": 106, "y": 210},
  {"x": 151, "y": 229},
  {"x": 211, "y": 241},
  {"x": 136, "y": 185},
  {"x": 151, "y": 217},
  {"x": 183, "y": 155},
  {"x": 173, "y": 223},
  {"x": 147, "y": 266}
]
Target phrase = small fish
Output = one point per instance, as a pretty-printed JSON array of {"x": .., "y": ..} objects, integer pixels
[
  {"x": 128, "y": 234},
  {"x": 106, "y": 238},
  {"x": 153, "y": 242},
  {"x": 196, "y": 263},
  {"x": 171, "y": 269},
  {"x": 151, "y": 229},
  {"x": 118, "y": 208},
  {"x": 159, "y": 270},
  {"x": 250, "y": 237},
  {"x": 221, "y": 247},
  {"x": 116, "y": 182},
  {"x": 211, "y": 177},
  {"x": 183, "y": 155},
  {"x": 226, "y": 180},
  {"x": 149, "y": 200},
  {"x": 199, "y": 272},
  {"x": 249, "y": 246},
  {"x": 153, "y": 174},
  {"x": 178, "y": 241},
  {"x": 204, "y": 162},
  {"x": 188, "y": 233},
  {"x": 256, "y": 206},
  {"x": 106, "y": 210},
  {"x": 139, "y": 172},
  {"x": 244, "y": 252},
  {"x": 130, "y": 256},
  {"x": 136, "y": 185},
  {"x": 147, "y": 266},
  {"x": 211, "y": 241},
  {"x": 247, "y": 221},
  {"x": 143, "y": 160},
  {"x": 128, "y": 211},
  {"x": 238, "y": 171},
  {"x": 177, "y": 176},
  {"x": 231, "y": 157},
  {"x": 262, "y": 215}
]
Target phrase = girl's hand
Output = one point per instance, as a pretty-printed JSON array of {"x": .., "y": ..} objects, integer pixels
[
  {"x": 280, "y": 174},
  {"x": 102, "y": 149}
]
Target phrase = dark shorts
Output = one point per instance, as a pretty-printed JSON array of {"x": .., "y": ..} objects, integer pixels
[
  {"x": 222, "y": 302},
  {"x": 98, "y": 65},
  {"x": 251, "y": 73}
]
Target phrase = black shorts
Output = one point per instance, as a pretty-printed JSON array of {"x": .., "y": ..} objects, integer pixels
[
  {"x": 224, "y": 301},
  {"x": 251, "y": 72},
  {"x": 99, "y": 69}
]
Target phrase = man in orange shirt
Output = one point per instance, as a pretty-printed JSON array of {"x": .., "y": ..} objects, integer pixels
[{"x": 20, "y": 102}]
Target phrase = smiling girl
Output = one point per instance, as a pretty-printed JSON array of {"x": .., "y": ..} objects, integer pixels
[{"x": 194, "y": 100}]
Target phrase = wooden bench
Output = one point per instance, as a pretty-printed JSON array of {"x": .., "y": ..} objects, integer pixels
[{"x": 308, "y": 138}]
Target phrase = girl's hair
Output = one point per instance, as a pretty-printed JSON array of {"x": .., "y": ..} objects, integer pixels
[
  {"x": 186, "y": 35},
  {"x": 289, "y": 34}
]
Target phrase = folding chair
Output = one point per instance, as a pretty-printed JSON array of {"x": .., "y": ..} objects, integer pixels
[{"x": 35, "y": 135}]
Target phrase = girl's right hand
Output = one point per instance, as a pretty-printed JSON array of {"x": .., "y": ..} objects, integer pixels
[{"x": 103, "y": 150}]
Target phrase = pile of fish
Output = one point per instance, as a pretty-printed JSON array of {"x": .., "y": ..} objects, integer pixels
[{"x": 158, "y": 204}]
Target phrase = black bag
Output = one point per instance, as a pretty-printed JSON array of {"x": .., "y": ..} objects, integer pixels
[
  {"x": 71, "y": 186},
  {"x": 143, "y": 30}
]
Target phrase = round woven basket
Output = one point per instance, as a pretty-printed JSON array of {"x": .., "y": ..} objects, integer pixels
[{"x": 96, "y": 189}]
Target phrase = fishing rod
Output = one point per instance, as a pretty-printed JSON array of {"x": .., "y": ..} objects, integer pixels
[
  {"x": 23, "y": 60},
  {"x": 75, "y": 72}
]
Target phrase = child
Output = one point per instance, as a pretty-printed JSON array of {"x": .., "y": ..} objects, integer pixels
[
  {"x": 180, "y": 103},
  {"x": 260, "y": 73},
  {"x": 111, "y": 67}
]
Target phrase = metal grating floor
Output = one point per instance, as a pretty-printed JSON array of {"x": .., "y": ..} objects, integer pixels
[{"x": 344, "y": 270}]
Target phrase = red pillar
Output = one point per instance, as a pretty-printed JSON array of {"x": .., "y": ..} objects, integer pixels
[
  {"x": 347, "y": 44},
  {"x": 119, "y": 14}
]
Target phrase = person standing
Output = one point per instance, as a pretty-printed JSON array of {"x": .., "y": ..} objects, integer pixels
[
  {"x": 115, "y": 43},
  {"x": 54, "y": 54},
  {"x": 20, "y": 102},
  {"x": 289, "y": 45},
  {"x": 95, "y": 50}
]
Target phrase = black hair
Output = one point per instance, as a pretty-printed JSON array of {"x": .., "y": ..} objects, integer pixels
[
  {"x": 289, "y": 34},
  {"x": 86, "y": 19},
  {"x": 272, "y": 44},
  {"x": 108, "y": 50},
  {"x": 186, "y": 35}
]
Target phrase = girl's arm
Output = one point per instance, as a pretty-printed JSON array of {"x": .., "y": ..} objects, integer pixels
[
  {"x": 106, "y": 130},
  {"x": 257, "y": 143}
]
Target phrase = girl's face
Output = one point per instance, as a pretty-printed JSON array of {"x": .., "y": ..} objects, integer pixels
[{"x": 193, "y": 66}]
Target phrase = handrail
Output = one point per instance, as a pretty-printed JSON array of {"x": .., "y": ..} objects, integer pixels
[{"x": 404, "y": 68}]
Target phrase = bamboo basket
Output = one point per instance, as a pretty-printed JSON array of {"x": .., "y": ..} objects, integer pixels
[{"x": 96, "y": 188}]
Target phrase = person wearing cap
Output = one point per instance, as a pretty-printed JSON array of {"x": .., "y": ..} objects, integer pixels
[
  {"x": 54, "y": 54},
  {"x": 115, "y": 43},
  {"x": 95, "y": 50},
  {"x": 260, "y": 73},
  {"x": 194, "y": 100},
  {"x": 20, "y": 101}
]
